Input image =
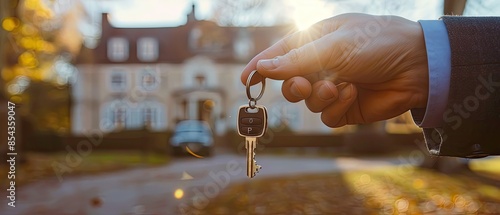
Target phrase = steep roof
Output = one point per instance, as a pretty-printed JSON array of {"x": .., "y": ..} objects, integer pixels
[{"x": 176, "y": 44}]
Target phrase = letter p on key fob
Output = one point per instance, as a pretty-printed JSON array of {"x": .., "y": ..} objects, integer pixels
[{"x": 252, "y": 122}]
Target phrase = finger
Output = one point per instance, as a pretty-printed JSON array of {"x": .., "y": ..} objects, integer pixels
[
  {"x": 319, "y": 55},
  {"x": 286, "y": 44},
  {"x": 323, "y": 94},
  {"x": 334, "y": 115},
  {"x": 296, "y": 89}
]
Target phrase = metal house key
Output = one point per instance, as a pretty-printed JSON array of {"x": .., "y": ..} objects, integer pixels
[{"x": 252, "y": 123}]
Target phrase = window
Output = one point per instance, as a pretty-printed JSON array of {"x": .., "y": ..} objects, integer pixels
[
  {"x": 200, "y": 71},
  {"x": 148, "y": 79},
  {"x": 118, "y": 81},
  {"x": 115, "y": 115},
  {"x": 118, "y": 49},
  {"x": 208, "y": 38},
  {"x": 149, "y": 115},
  {"x": 152, "y": 115},
  {"x": 147, "y": 49},
  {"x": 200, "y": 80},
  {"x": 119, "y": 116}
]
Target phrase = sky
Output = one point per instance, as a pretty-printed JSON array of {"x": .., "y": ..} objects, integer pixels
[
  {"x": 163, "y": 13},
  {"x": 304, "y": 13}
]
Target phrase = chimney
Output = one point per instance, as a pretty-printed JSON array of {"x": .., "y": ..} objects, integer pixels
[{"x": 192, "y": 15}]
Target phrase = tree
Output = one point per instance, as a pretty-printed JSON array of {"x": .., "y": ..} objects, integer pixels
[{"x": 39, "y": 35}]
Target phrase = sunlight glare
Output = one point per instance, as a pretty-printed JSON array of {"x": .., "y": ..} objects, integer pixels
[{"x": 306, "y": 13}]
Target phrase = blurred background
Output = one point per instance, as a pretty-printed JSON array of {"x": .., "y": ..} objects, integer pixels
[{"x": 129, "y": 107}]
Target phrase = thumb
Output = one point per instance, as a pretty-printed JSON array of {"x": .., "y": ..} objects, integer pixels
[{"x": 310, "y": 58}]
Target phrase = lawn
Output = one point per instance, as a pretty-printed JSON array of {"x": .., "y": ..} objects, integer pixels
[
  {"x": 42, "y": 165},
  {"x": 394, "y": 190},
  {"x": 489, "y": 167}
]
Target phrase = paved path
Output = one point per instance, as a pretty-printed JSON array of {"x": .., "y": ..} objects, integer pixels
[{"x": 152, "y": 190}]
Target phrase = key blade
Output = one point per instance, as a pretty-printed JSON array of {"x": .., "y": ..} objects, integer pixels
[{"x": 250, "y": 143}]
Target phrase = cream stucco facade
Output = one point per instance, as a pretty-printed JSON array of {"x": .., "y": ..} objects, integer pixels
[{"x": 114, "y": 97}]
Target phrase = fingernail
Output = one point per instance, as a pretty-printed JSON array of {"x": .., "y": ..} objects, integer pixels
[
  {"x": 325, "y": 92},
  {"x": 269, "y": 63},
  {"x": 295, "y": 91},
  {"x": 346, "y": 92}
]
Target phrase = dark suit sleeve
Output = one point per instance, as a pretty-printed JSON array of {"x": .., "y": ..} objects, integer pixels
[{"x": 472, "y": 118}]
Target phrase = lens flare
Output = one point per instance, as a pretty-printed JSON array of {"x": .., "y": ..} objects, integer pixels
[
  {"x": 192, "y": 153},
  {"x": 178, "y": 194}
]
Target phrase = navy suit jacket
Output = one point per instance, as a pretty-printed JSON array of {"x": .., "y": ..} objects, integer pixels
[{"x": 472, "y": 118}]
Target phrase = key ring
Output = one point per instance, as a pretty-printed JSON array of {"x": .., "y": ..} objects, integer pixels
[{"x": 253, "y": 101}]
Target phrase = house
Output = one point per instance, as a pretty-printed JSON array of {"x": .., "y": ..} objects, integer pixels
[{"x": 155, "y": 77}]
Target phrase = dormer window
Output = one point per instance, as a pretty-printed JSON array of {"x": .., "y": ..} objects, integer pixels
[
  {"x": 208, "y": 38},
  {"x": 147, "y": 49},
  {"x": 118, "y": 49},
  {"x": 243, "y": 46}
]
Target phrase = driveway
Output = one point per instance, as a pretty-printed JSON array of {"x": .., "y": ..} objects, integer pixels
[{"x": 185, "y": 184}]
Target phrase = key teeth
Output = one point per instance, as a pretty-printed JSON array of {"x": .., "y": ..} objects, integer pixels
[{"x": 257, "y": 168}]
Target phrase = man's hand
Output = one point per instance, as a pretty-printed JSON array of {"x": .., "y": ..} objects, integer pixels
[{"x": 353, "y": 68}]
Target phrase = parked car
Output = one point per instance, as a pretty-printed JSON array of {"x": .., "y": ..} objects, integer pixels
[{"x": 193, "y": 134}]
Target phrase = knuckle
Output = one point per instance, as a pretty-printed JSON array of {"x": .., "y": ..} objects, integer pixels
[
  {"x": 284, "y": 45},
  {"x": 293, "y": 56}
]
